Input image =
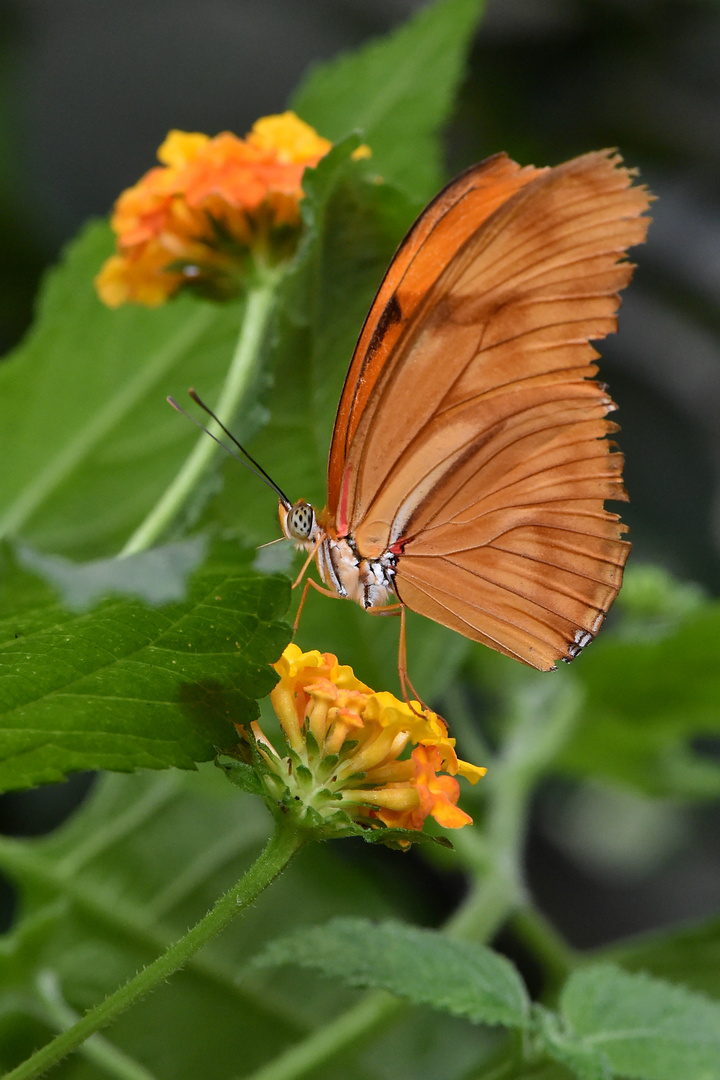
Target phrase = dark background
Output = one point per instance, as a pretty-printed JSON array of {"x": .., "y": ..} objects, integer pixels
[{"x": 87, "y": 93}]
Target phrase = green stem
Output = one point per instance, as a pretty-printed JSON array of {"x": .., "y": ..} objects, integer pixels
[
  {"x": 258, "y": 308},
  {"x": 281, "y": 847},
  {"x": 370, "y": 1015},
  {"x": 96, "y": 1049},
  {"x": 558, "y": 958}
]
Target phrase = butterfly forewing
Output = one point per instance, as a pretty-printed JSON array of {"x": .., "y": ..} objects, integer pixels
[
  {"x": 470, "y": 437},
  {"x": 434, "y": 239}
]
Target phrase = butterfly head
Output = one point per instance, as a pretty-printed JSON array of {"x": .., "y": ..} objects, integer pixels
[{"x": 299, "y": 523}]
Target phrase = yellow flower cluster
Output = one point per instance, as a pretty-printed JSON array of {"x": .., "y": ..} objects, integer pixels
[
  {"x": 192, "y": 219},
  {"x": 348, "y": 749}
]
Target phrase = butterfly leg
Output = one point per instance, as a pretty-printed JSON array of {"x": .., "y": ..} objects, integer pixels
[
  {"x": 389, "y": 609},
  {"x": 310, "y": 584},
  {"x": 311, "y": 556},
  {"x": 405, "y": 684}
]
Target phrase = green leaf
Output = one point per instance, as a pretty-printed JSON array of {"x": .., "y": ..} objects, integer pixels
[
  {"x": 688, "y": 955},
  {"x": 398, "y": 839},
  {"x": 424, "y": 966},
  {"x": 397, "y": 92},
  {"x": 586, "y": 1062},
  {"x": 647, "y": 1029},
  {"x": 87, "y": 439},
  {"x": 646, "y": 701},
  {"x": 142, "y": 861},
  {"x": 127, "y": 686},
  {"x": 242, "y": 776}
]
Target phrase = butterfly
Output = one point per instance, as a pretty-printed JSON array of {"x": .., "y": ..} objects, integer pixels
[{"x": 469, "y": 463}]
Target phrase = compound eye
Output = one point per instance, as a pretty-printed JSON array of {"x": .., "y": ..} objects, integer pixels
[{"x": 301, "y": 521}]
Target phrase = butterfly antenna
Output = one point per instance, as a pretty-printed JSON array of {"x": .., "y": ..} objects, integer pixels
[
  {"x": 250, "y": 464},
  {"x": 278, "y": 540}
]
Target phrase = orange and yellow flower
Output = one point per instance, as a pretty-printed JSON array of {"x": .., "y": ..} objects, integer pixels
[
  {"x": 349, "y": 750},
  {"x": 192, "y": 220}
]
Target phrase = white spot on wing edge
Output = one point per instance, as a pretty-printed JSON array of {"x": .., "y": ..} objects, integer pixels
[{"x": 582, "y": 639}]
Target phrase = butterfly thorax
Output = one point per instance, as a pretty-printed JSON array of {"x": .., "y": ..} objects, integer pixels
[{"x": 369, "y": 582}]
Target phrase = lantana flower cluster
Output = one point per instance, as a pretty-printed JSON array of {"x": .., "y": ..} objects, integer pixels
[
  {"x": 355, "y": 755},
  {"x": 192, "y": 220}
]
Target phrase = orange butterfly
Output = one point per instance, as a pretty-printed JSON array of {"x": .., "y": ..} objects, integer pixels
[{"x": 469, "y": 466}]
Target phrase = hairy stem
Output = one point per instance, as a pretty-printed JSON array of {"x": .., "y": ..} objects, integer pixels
[
  {"x": 96, "y": 1049},
  {"x": 281, "y": 847}
]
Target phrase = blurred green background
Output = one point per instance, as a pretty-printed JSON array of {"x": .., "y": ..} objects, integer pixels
[{"x": 87, "y": 94}]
